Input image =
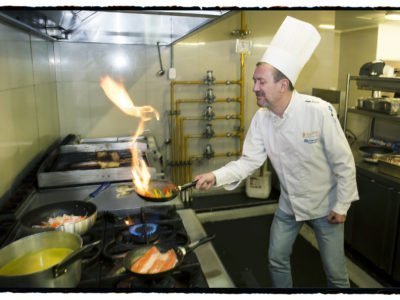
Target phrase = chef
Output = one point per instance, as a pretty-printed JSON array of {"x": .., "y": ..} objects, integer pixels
[{"x": 305, "y": 143}]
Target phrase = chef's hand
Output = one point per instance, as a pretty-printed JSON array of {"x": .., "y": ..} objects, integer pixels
[
  {"x": 335, "y": 218},
  {"x": 205, "y": 181}
]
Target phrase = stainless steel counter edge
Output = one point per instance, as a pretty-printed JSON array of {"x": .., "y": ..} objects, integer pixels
[{"x": 213, "y": 269}]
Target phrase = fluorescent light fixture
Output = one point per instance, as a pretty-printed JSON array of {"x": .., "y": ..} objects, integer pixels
[
  {"x": 191, "y": 44},
  {"x": 260, "y": 45},
  {"x": 392, "y": 16},
  {"x": 120, "y": 61},
  {"x": 326, "y": 26}
]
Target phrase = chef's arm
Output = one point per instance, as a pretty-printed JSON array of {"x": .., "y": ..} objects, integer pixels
[
  {"x": 205, "y": 181},
  {"x": 253, "y": 156},
  {"x": 341, "y": 160}
]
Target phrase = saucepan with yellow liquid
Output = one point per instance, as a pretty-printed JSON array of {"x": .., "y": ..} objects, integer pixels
[{"x": 44, "y": 260}]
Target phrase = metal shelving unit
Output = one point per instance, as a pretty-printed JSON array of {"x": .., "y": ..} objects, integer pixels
[{"x": 371, "y": 83}]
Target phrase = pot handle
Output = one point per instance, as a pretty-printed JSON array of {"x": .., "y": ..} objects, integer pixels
[
  {"x": 62, "y": 267},
  {"x": 187, "y": 185},
  {"x": 195, "y": 244},
  {"x": 101, "y": 188}
]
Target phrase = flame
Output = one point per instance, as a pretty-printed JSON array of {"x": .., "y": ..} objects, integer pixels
[
  {"x": 129, "y": 222},
  {"x": 118, "y": 95}
]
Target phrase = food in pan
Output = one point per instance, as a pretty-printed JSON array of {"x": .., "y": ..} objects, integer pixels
[
  {"x": 153, "y": 261},
  {"x": 108, "y": 164},
  {"x": 59, "y": 220},
  {"x": 158, "y": 193},
  {"x": 394, "y": 160},
  {"x": 105, "y": 155},
  {"x": 101, "y": 154},
  {"x": 35, "y": 261}
]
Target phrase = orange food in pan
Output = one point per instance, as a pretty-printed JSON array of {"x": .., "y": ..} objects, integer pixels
[{"x": 153, "y": 262}]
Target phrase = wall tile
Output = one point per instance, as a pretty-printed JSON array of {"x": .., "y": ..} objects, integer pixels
[{"x": 24, "y": 116}]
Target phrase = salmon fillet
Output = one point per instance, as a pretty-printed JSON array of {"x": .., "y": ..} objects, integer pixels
[
  {"x": 153, "y": 261},
  {"x": 144, "y": 263},
  {"x": 164, "y": 262}
]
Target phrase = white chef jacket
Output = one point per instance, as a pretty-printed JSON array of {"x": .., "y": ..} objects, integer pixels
[{"x": 309, "y": 152}]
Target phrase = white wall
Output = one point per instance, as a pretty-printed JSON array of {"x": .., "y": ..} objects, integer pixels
[
  {"x": 85, "y": 110},
  {"x": 28, "y": 102},
  {"x": 356, "y": 48},
  {"x": 31, "y": 118}
]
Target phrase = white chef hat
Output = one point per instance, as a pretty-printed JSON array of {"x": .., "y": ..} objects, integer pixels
[{"x": 291, "y": 47}]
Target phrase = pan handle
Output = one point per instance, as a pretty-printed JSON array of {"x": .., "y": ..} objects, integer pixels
[
  {"x": 62, "y": 267},
  {"x": 101, "y": 188},
  {"x": 196, "y": 244},
  {"x": 187, "y": 185}
]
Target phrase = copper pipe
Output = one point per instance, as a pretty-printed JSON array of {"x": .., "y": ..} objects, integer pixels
[
  {"x": 219, "y": 135},
  {"x": 216, "y": 155},
  {"x": 172, "y": 131},
  {"x": 188, "y": 168},
  {"x": 227, "y": 82},
  {"x": 243, "y": 27},
  {"x": 227, "y": 100},
  {"x": 226, "y": 154}
]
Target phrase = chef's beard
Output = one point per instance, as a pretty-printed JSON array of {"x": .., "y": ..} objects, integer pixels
[{"x": 262, "y": 101}]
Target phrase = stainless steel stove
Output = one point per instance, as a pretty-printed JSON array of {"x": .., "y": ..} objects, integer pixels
[
  {"x": 103, "y": 268},
  {"x": 86, "y": 161}
]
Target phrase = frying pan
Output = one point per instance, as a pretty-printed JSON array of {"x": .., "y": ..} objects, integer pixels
[
  {"x": 372, "y": 153},
  {"x": 37, "y": 216},
  {"x": 133, "y": 255},
  {"x": 162, "y": 185}
]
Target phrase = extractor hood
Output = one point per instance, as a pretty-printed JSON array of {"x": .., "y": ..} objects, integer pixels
[{"x": 142, "y": 27}]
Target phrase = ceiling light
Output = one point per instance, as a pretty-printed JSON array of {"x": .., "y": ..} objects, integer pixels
[
  {"x": 392, "y": 16},
  {"x": 326, "y": 26},
  {"x": 191, "y": 43}
]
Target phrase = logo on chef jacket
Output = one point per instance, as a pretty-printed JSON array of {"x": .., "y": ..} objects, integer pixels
[
  {"x": 331, "y": 111},
  {"x": 311, "y": 137}
]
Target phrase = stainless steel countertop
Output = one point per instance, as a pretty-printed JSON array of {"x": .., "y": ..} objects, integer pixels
[
  {"x": 213, "y": 269},
  {"x": 107, "y": 200}
]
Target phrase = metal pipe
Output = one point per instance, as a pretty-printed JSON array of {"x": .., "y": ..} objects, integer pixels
[
  {"x": 227, "y": 82},
  {"x": 219, "y": 135},
  {"x": 172, "y": 131},
  {"x": 227, "y": 100},
  {"x": 226, "y": 117},
  {"x": 176, "y": 136},
  {"x": 181, "y": 142},
  {"x": 346, "y": 102},
  {"x": 243, "y": 27}
]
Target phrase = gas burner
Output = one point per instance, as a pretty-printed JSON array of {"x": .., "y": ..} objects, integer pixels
[
  {"x": 144, "y": 232},
  {"x": 116, "y": 249},
  {"x": 91, "y": 256},
  {"x": 140, "y": 282}
]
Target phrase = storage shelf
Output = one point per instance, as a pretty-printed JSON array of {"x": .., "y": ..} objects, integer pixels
[
  {"x": 384, "y": 84},
  {"x": 392, "y": 118}
]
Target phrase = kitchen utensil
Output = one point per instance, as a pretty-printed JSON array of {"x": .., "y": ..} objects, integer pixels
[
  {"x": 40, "y": 215},
  {"x": 133, "y": 255},
  {"x": 372, "y": 153},
  {"x": 161, "y": 72},
  {"x": 163, "y": 185},
  {"x": 64, "y": 274},
  {"x": 389, "y": 165}
]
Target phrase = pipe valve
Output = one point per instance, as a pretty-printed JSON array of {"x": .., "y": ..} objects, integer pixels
[
  {"x": 209, "y": 80},
  {"x": 208, "y": 113},
  {"x": 210, "y": 97},
  {"x": 208, "y": 152},
  {"x": 208, "y": 132}
]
